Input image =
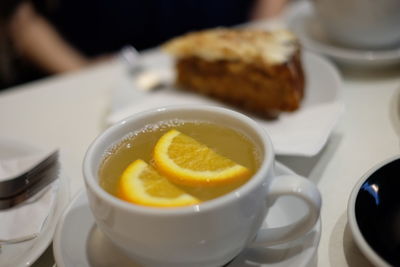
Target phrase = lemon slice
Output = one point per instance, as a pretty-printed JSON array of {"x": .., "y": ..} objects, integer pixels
[
  {"x": 185, "y": 161},
  {"x": 142, "y": 184}
]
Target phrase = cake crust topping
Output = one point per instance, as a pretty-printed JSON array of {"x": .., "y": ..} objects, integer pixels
[{"x": 248, "y": 45}]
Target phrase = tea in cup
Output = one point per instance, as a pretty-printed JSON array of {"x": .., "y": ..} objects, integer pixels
[
  {"x": 164, "y": 205},
  {"x": 142, "y": 152}
]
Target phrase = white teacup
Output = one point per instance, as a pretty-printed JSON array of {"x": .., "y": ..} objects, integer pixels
[
  {"x": 208, "y": 234},
  {"x": 361, "y": 24}
]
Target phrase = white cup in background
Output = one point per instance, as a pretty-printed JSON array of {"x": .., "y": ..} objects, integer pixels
[{"x": 361, "y": 24}]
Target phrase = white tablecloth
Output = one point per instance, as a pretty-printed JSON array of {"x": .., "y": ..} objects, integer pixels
[{"x": 69, "y": 111}]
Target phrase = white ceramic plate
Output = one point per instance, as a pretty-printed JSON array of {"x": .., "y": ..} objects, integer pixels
[
  {"x": 313, "y": 37},
  {"x": 303, "y": 132},
  {"x": 78, "y": 242},
  {"x": 26, "y": 253}
]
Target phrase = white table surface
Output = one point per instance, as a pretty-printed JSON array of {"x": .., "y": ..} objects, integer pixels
[{"x": 68, "y": 112}]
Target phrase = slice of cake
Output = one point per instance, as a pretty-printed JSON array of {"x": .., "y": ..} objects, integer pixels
[{"x": 256, "y": 70}]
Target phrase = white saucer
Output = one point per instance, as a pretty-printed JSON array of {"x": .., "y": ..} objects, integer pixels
[
  {"x": 78, "y": 242},
  {"x": 313, "y": 37},
  {"x": 26, "y": 253}
]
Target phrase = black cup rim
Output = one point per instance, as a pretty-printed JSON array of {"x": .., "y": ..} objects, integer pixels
[{"x": 358, "y": 236}]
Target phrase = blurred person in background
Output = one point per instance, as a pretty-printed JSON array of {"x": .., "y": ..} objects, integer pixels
[{"x": 42, "y": 37}]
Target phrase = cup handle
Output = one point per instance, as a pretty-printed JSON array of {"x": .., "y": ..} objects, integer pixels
[{"x": 302, "y": 188}]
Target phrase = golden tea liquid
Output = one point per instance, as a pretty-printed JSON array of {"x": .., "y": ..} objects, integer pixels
[{"x": 139, "y": 145}]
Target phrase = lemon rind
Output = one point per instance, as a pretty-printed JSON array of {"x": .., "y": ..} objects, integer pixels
[
  {"x": 131, "y": 189},
  {"x": 177, "y": 174}
]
